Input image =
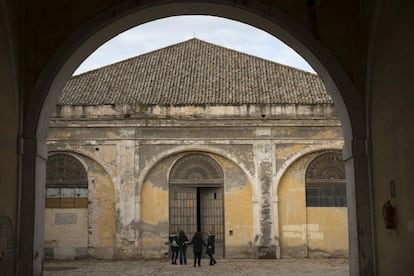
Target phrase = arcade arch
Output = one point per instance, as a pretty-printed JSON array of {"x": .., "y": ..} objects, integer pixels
[
  {"x": 109, "y": 23},
  {"x": 196, "y": 197},
  {"x": 197, "y": 191},
  {"x": 80, "y": 202},
  {"x": 312, "y": 216}
]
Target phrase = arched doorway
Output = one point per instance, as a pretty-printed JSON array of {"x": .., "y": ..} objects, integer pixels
[
  {"x": 123, "y": 16},
  {"x": 196, "y": 198}
]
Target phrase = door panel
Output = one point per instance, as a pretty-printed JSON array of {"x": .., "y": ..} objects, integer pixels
[
  {"x": 211, "y": 216},
  {"x": 183, "y": 210}
]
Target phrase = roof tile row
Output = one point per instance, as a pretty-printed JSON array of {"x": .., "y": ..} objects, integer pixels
[{"x": 195, "y": 72}]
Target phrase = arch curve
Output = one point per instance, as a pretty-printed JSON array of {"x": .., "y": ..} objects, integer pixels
[
  {"x": 126, "y": 14},
  {"x": 184, "y": 149},
  {"x": 198, "y": 168},
  {"x": 64, "y": 168},
  {"x": 79, "y": 151},
  {"x": 327, "y": 165},
  {"x": 285, "y": 166}
]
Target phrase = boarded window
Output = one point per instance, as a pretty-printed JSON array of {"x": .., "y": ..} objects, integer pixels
[
  {"x": 325, "y": 181},
  {"x": 66, "y": 182}
]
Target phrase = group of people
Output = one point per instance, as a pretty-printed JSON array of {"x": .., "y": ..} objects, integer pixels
[{"x": 179, "y": 244}]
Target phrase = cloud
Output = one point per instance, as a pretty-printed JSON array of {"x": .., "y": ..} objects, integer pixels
[{"x": 164, "y": 32}]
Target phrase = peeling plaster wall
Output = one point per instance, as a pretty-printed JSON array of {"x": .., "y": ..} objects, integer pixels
[
  {"x": 101, "y": 210},
  {"x": 125, "y": 201},
  {"x": 238, "y": 211},
  {"x": 154, "y": 227},
  {"x": 80, "y": 232},
  {"x": 292, "y": 212},
  {"x": 137, "y": 153},
  {"x": 308, "y": 232},
  {"x": 327, "y": 232},
  {"x": 238, "y": 218},
  {"x": 264, "y": 160},
  {"x": 66, "y": 233}
]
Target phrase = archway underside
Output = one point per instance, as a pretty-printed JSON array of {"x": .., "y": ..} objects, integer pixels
[{"x": 70, "y": 55}]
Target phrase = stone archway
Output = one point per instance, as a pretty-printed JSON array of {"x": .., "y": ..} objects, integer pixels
[
  {"x": 312, "y": 208},
  {"x": 83, "y": 208},
  {"x": 119, "y": 18},
  {"x": 66, "y": 208},
  {"x": 196, "y": 198}
]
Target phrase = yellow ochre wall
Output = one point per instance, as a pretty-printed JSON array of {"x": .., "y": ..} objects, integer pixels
[
  {"x": 102, "y": 219},
  {"x": 85, "y": 231},
  {"x": 238, "y": 211},
  {"x": 64, "y": 235},
  {"x": 312, "y": 231}
]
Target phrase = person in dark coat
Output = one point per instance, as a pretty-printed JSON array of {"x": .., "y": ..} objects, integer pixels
[
  {"x": 210, "y": 248},
  {"x": 182, "y": 242},
  {"x": 197, "y": 242},
  {"x": 174, "y": 247}
]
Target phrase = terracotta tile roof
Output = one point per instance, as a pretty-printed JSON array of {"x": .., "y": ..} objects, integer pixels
[{"x": 194, "y": 72}]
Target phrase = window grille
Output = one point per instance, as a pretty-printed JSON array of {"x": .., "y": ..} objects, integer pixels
[
  {"x": 66, "y": 182},
  {"x": 325, "y": 181}
]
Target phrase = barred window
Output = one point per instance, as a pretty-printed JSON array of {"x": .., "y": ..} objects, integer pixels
[
  {"x": 325, "y": 181},
  {"x": 66, "y": 182}
]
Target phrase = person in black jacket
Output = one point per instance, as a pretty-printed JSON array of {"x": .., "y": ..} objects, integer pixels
[
  {"x": 174, "y": 247},
  {"x": 182, "y": 242},
  {"x": 210, "y": 248},
  {"x": 197, "y": 242}
]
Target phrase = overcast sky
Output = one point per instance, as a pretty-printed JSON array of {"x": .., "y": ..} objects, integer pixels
[{"x": 164, "y": 32}]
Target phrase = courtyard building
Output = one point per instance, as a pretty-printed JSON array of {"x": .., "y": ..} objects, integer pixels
[{"x": 195, "y": 137}]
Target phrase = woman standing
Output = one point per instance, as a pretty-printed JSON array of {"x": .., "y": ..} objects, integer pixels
[
  {"x": 197, "y": 242},
  {"x": 210, "y": 248},
  {"x": 182, "y": 242}
]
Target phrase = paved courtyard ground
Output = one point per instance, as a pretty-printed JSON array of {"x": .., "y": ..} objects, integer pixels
[{"x": 283, "y": 267}]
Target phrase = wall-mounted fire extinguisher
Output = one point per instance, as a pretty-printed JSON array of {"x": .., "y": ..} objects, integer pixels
[{"x": 388, "y": 213}]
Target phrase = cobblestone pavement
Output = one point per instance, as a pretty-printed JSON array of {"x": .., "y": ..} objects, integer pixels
[{"x": 284, "y": 267}]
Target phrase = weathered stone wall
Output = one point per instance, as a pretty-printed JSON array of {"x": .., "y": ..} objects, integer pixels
[
  {"x": 308, "y": 232},
  {"x": 80, "y": 232},
  {"x": 237, "y": 209},
  {"x": 257, "y": 154},
  {"x": 66, "y": 233}
]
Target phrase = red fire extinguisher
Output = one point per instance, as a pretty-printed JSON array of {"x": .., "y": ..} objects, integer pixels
[{"x": 388, "y": 213}]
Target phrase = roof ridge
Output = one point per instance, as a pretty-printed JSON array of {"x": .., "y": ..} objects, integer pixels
[
  {"x": 197, "y": 72},
  {"x": 186, "y": 42}
]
